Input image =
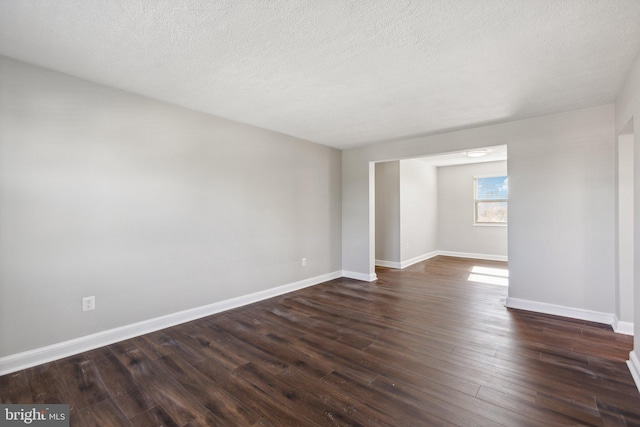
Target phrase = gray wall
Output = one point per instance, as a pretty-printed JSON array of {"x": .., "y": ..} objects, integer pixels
[
  {"x": 627, "y": 109},
  {"x": 406, "y": 214},
  {"x": 624, "y": 294},
  {"x": 562, "y": 210},
  {"x": 562, "y": 213},
  {"x": 456, "y": 230},
  {"x": 418, "y": 209},
  {"x": 388, "y": 211},
  {"x": 150, "y": 207}
]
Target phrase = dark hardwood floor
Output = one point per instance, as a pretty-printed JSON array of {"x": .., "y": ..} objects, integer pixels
[{"x": 420, "y": 347}]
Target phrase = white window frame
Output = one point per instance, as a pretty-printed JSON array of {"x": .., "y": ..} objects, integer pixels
[{"x": 475, "y": 203}]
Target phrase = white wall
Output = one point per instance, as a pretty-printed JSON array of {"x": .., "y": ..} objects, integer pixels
[
  {"x": 561, "y": 208},
  {"x": 624, "y": 295},
  {"x": 406, "y": 212},
  {"x": 388, "y": 211},
  {"x": 456, "y": 229},
  {"x": 627, "y": 113},
  {"x": 150, "y": 207},
  {"x": 418, "y": 209},
  {"x": 562, "y": 215}
]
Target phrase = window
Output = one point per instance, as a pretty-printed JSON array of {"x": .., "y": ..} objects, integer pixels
[{"x": 491, "y": 194}]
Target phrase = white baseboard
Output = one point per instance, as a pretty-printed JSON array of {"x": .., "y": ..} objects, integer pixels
[
  {"x": 559, "y": 310},
  {"x": 474, "y": 256},
  {"x": 620, "y": 327},
  {"x": 634, "y": 367},
  {"x": 388, "y": 264},
  {"x": 359, "y": 276},
  {"x": 38, "y": 356},
  {"x": 409, "y": 262}
]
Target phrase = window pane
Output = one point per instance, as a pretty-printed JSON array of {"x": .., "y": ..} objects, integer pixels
[
  {"x": 494, "y": 188},
  {"x": 491, "y": 212}
]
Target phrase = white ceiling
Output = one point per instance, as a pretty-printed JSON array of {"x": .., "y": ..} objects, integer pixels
[
  {"x": 340, "y": 73},
  {"x": 494, "y": 154}
]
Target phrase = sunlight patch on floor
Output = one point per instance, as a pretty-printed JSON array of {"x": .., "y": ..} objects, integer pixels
[{"x": 488, "y": 275}]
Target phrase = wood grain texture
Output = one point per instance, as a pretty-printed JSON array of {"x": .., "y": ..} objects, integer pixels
[{"x": 421, "y": 346}]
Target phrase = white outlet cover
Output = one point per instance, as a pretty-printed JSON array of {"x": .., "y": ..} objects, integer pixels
[{"x": 88, "y": 303}]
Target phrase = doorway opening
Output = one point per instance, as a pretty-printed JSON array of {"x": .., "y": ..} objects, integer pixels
[{"x": 426, "y": 206}]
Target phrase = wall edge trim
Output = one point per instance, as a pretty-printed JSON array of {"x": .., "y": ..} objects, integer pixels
[
  {"x": 620, "y": 327},
  {"x": 487, "y": 257},
  {"x": 359, "y": 276},
  {"x": 27, "y": 359},
  {"x": 432, "y": 254},
  {"x": 419, "y": 258},
  {"x": 388, "y": 264},
  {"x": 560, "y": 310},
  {"x": 634, "y": 366}
]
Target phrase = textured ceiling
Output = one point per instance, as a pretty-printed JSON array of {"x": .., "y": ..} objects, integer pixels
[
  {"x": 341, "y": 73},
  {"x": 494, "y": 154}
]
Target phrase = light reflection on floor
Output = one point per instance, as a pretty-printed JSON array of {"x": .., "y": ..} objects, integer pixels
[{"x": 488, "y": 275}]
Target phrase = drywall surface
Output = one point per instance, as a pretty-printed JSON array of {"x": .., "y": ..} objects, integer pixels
[
  {"x": 456, "y": 229},
  {"x": 150, "y": 207},
  {"x": 627, "y": 103},
  {"x": 388, "y": 211},
  {"x": 418, "y": 209},
  {"x": 627, "y": 110},
  {"x": 562, "y": 195},
  {"x": 624, "y": 295},
  {"x": 358, "y": 217}
]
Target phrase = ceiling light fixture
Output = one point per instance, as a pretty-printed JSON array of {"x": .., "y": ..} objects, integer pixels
[{"x": 477, "y": 153}]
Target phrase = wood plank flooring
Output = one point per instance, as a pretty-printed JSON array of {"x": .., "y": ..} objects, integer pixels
[{"x": 420, "y": 347}]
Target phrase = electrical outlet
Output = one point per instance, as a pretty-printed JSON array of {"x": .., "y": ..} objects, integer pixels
[
  {"x": 88, "y": 303},
  {"x": 304, "y": 262}
]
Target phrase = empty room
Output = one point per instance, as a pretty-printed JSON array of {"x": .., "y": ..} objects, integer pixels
[{"x": 298, "y": 213}]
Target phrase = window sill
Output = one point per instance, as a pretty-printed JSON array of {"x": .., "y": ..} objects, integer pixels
[{"x": 489, "y": 225}]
